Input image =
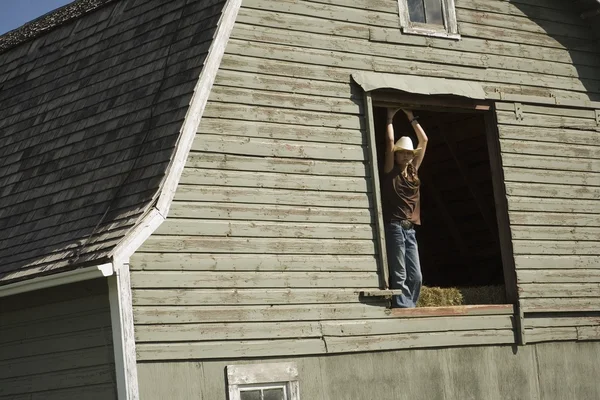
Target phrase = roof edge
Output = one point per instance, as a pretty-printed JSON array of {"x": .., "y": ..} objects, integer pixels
[
  {"x": 48, "y": 22},
  {"x": 47, "y": 281},
  {"x": 158, "y": 213}
]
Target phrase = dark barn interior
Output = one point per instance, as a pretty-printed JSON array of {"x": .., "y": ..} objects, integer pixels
[{"x": 458, "y": 238}]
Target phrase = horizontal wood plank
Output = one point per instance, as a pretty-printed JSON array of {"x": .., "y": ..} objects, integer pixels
[
  {"x": 276, "y": 164},
  {"x": 374, "y": 327},
  {"x": 264, "y": 212},
  {"x": 221, "y": 194},
  {"x": 513, "y": 174},
  {"x": 289, "y": 84},
  {"x": 227, "y": 331},
  {"x": 51, "y": 326},
  {"x": 58, "y": 380},
  {"x": 241, "y": 280},
  {"x": 553, "y": 135},
  {"x": 176, "y": 226},
  {"x": 197, "y": 314},
  {"x": 548, "y": 110},
  {"x": 249, "y": 262},
  {"x": 541, "y": 247},
  {"x": 536, "y": 335},
  {"x": 294, "y": 132},
  {"x": 546, "y": 121},
  {"x": 53, "y": 362},
  {"x": 228, "y": 349},
  {"x": 555, "y": 232},
  {"x": 274, "y": 180},
  {"x": 282, "y": 116},
  {"x": 538, "y": 204},
  {"x": 561, "y": 305},
  {"x": 558, "y": 321},
  {"x": 292, "y": 101},
  {"x": 554, "y": 219},
  {"x": 558, "y": 162},
  {"x": 558, "y": 276},
  {"x": 264, "y": 147},
  {"x": 48, "y": 344},
  {"x": 558, "y": 290},
  {"x": 56, "y": 310},
  {"x": 556, "y": 262},
  {"x": 577, "y": 153},
  {"x": 178, "y": 295},
  {"x": 484, "y": 309},
  {"x": 563, "y": 190},
  {"x": 342, "y": 344},
  {"x": 195, "y": 244}
]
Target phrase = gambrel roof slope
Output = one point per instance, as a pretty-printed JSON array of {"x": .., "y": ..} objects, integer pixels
[{"x": 91, "y": 112}]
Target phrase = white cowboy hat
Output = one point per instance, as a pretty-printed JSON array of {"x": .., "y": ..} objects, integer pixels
[{"x": 405, "y": 144}]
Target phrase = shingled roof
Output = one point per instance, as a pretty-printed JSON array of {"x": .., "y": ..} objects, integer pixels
[{"x": 93, "y": 100}]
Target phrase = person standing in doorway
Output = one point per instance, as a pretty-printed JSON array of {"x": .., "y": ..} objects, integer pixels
[{"x": 401, "y": 210}]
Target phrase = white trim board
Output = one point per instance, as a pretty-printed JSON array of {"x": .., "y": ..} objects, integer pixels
[
  {"x": 61, "y": 278},
  {"x": 121, "y": 315},
  {"x": 152, "y": 220}
]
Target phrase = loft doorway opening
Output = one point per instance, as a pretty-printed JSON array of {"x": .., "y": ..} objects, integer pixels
[{"x": 460, "y": 240}]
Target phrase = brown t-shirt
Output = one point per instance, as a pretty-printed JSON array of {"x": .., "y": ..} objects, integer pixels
[{"x": 401, "y": 196}]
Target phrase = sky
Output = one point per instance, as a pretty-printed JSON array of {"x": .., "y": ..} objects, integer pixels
[{"x": 14, "y": 13}]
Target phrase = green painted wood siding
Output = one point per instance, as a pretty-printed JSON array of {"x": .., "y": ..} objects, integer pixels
[
  {"x": 271, "y": 231},
  {"x": 551, "y": 158},
  {"x": 544, "y": 371},
  {"x": 57, "y": 344}
]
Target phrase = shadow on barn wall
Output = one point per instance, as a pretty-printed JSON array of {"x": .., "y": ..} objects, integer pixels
[{"x": 575, "y": 30}]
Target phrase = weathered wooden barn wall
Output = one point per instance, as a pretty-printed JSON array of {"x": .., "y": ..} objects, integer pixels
[
  {"x": 551, "y": 158},
  {"x": 56, "y": 344},
  {"x": 272, "y": 230},
  {"x": 538, "y": 372}
]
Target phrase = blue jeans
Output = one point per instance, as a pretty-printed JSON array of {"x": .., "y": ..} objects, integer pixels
[{"x": 404, "y": 265}]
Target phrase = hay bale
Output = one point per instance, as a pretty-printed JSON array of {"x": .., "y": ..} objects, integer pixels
[
  {"x": 439, "y": 297},
  {"x": 456, "y": 296},
  {"x": 493, "y": 294}
]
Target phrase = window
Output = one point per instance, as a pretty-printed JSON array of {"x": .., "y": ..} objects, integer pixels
[
  {"x": 264, "y": 392},
  {"x": 461, "y": 242},
  {"x": 275, "y": 381},
  {"x": 429, "y": 17}
]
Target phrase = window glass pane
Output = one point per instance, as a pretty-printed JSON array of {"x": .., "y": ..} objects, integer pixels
[
  {"x": 433, "y": 12},
  {"x": 274, "y": 394},
  {"x": 416, "y": 11},
  {"x": 250, "y": 395}
]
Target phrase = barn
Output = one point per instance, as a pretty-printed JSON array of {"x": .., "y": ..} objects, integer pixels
[{"x": 190, "y": 200}]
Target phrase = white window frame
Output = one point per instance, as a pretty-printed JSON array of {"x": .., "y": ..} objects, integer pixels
[
  {"x": 257, "y": 376},
  {"x": 448, "y": 31}
]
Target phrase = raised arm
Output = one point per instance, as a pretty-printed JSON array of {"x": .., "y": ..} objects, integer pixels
[
  {"x": 389, "y": 141},
  {"x": 421, "y": 136}
]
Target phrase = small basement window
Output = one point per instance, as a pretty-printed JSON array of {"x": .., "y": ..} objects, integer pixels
[
  {"x": 459, "y": 242},
  {"x": 429, "y": 17},
  {"x": 273, "y": 381}
]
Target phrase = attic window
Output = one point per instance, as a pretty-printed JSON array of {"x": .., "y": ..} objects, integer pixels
[{"x": 429, "y": 18}]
